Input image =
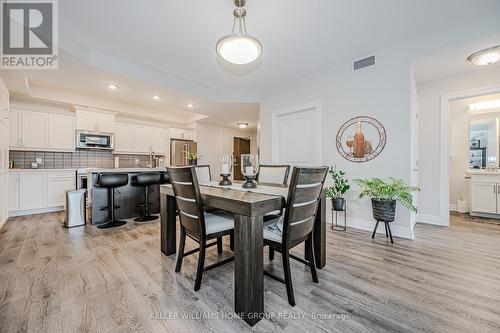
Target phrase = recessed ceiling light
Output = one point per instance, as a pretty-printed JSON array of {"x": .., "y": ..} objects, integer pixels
[
  {"x": 190, "y": 106},
  {"x": 112, "y": 86},
  {"x": 485, "y": 57},
  {"x": 156, "y": 97},
  {"x": 242, "y": 125}
]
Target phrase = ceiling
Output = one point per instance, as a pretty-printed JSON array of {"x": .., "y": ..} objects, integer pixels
[{"x": 168, "y": 47}]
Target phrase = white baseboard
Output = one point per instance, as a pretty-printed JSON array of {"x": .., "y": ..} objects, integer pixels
[
  {"x": 369, "y": 225},
  {"x": 453, "y": 207},
  {"x": 35, "y": 211},
  {"x": 429, "y": 219}
]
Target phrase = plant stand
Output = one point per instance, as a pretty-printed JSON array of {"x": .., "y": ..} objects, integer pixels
[
  {"x": 336, "y": 226},
  {"x": 388, "y": 232}
]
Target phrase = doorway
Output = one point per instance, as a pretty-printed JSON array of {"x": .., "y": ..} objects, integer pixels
[{"x": 240, "y": 146}]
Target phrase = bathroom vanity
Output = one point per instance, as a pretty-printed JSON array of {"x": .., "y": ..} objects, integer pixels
[{"x": 485, "y": 193}]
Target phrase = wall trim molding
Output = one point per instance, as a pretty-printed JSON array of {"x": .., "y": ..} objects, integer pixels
[
  {"x": 36, "y": 211},
  {"x": 453, "y": 207},
  {"x": 429, "y": 219}
]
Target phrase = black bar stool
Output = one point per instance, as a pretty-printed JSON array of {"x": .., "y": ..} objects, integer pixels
[
  {"x": 146, "y": 180},
  {"x": 111, "y": 181}
]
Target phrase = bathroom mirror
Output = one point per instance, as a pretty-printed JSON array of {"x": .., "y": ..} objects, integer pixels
[{"x": 483, "y": 142}]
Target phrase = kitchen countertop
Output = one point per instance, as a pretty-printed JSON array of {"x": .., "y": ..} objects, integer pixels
[
  {"x": 39, "y": 170},
  {"x": 126, "y": 170}
]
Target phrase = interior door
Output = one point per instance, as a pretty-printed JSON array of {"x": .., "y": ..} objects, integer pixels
[{"x": 240, "y": 146}]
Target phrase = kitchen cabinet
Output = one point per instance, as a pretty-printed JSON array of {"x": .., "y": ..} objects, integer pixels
[
  {"x": 176, "y": 133},
  {"x": 34, "y": 132},
  {"x": 124, "y": 138},
  {"x": 38, "y": 191},
  {"x": 32, "y": 190},
  {"x": 61, "y": 132},
  {"x": 133, "y": 139},
  {"x": 13, "y": 191},
  {"x": 58, "y": 183},
  {"x": 95, "y": 121},
  {"x": 4, "y": 103},
  {"x": 41, "y": 131}
]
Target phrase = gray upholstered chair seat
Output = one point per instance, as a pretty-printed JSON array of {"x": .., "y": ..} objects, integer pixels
[
  {"x": 273, "y": 229},
  {"x": 218, "y": 221}
]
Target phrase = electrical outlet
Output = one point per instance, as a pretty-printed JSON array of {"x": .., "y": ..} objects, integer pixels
[
  {"x": 136, "y": 161},
  {"x": 39, "y": 160}
]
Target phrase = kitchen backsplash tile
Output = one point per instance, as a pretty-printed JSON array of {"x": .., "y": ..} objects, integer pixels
[{"x": 77, "y": 159}]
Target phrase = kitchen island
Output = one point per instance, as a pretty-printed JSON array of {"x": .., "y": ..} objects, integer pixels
[{"x": 128, "y": 198}]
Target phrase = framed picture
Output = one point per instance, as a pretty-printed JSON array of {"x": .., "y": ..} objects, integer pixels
[{"x": 361, "y": 139}]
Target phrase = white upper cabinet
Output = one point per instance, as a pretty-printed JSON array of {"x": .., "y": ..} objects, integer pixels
[
  {"x": 124, "y": 138},
  {"x": 32, "y": 130},
  {"x": 35, "y": 130},
  {"x": 138, "y": 139},
  {"x": 61, "y": 132},
  {"x": 95, "y": 121},
  {"x": 182, "y": 134}
]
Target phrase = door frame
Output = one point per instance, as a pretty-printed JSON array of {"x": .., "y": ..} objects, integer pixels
[
  {"x": 444, "y": 173},
  {"x": 316, "y": 106}
]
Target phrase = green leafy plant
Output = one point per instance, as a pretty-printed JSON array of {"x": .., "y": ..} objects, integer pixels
[
  {"x": 393, "y": 189},
  {"x": 191, "y": 156},
  {"x": 340, "y": 184}
]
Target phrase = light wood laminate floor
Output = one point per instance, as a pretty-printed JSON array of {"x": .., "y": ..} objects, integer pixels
[{"x": 87, "y": 280}]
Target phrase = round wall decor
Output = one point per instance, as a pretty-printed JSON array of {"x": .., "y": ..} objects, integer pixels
[{"x": 361, "y": 139}]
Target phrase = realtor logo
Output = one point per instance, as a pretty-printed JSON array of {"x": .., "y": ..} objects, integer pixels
[{"x": 29, "y": 34}]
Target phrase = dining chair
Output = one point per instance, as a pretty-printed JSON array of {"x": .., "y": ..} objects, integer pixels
[
  {"x": 296, "y": 225},
  {"x": 276, "y": 175},
  {"x": 203, "y": 173},
  {"x": 196, "y": 223}
]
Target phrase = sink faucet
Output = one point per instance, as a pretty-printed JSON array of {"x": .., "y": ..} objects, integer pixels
[{"x": 152, "y": 160}]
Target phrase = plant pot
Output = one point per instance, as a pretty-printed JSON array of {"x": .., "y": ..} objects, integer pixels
[
  {"x": 338, "y": 204},
  {"x": 193, "y": 162},
  {"x": 384, "y": 210}
]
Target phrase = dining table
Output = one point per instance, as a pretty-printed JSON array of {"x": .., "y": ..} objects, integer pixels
[{"x": 249, "y": 206}]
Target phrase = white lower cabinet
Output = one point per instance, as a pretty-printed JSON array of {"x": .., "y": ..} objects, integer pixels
[
  {"x": 32, "y": 190},
  {"x": 38, "y": 191},
  {"x": 57, "y": 184},
  {"x": 484, "y": 197}
]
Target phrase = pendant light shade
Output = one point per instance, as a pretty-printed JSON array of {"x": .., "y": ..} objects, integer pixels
[{"x": 239, "y": 47}]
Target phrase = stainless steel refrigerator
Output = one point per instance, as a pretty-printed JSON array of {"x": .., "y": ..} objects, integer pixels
[{"x": 178, "y": 152}]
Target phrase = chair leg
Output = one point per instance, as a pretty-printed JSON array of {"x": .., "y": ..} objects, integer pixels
[
  {"x": 219, "y": 245},
  {"x": 231, "y": 241},
  {"x": 312, "y": 261},
  {"x": 375, "y": 230},
  {"x": 201, "y": 265},
  {"x": 180, "y": 253},
  {"x": 390, "y": 233},
  {"x": 288, "y": 276},
  {"x": 386, "y": 234},
  {"x": 271, "y": 253}
]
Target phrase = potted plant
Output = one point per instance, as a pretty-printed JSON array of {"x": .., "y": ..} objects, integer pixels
[
  {"x": 339, "y": 188},
  {"x": 385, "y": 194},
  {"x": 192, "y": 158}
]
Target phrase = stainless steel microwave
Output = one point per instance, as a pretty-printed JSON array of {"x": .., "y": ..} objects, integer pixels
[{"x": 94, "y": 140}]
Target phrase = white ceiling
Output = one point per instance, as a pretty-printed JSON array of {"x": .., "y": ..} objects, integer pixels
[{"x": 168, "y": 47}]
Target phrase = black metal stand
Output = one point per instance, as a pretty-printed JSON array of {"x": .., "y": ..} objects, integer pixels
[
  {"x": 339, "y": 227},
  {"x": 249, "y": 183},
  {"x": 225, "y": 180}
]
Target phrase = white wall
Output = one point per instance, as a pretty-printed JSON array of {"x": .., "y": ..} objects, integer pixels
[
  {"x": 382, "y": 92},
  {"x": 215, "y": 141},
  {"x": 429, "y": 97}
]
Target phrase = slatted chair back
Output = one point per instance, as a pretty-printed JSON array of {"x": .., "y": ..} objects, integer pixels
[
  {"x": 273, "y": 174},
  {"x": 304, "y": 194},
  {"x": 203, "y": 173},
  {"x": 188, "y": 198}
]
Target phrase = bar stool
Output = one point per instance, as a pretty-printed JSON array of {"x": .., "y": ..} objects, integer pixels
[
  {"x": 111, "y": 181},
  {"x": 145, "y": 180}
]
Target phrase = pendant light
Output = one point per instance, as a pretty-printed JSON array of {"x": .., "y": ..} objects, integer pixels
[{"x": 239, "y": 47}]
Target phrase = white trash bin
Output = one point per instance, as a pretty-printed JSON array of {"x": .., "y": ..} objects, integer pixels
[{"x": 76, "y": 212}]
